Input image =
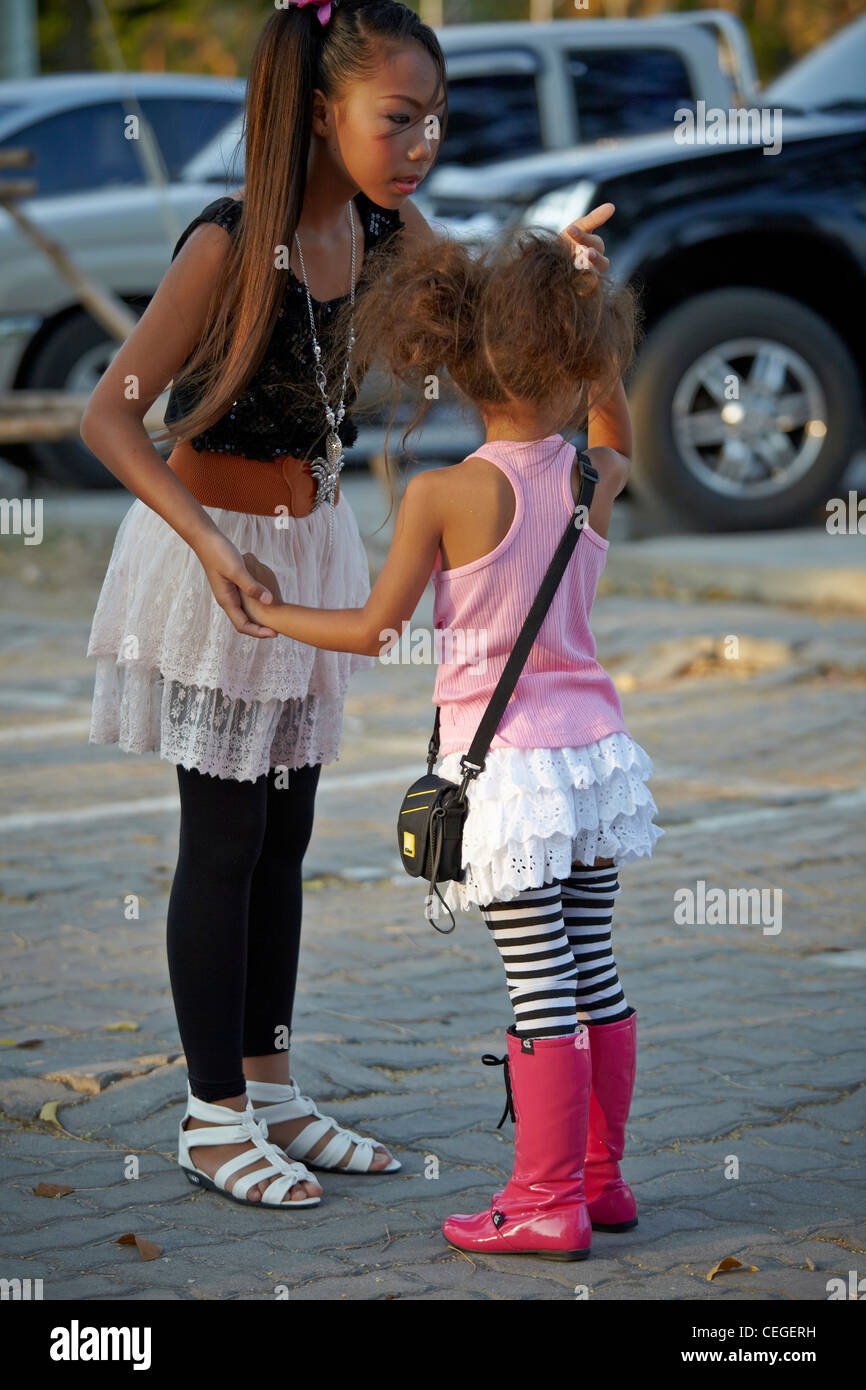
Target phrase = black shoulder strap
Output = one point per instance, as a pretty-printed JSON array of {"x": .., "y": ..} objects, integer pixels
[{"x": 473, "y": 761}]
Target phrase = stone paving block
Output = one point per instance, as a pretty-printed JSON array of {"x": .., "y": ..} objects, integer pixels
[
  {"x": 149, "y": 1296},
  {"x": 442, "y": 1122},
  {"x": 130, "y": 1101},
  {"x": 41, "y": 1150},
  {"x": 85, "y": 1288},
  {"x": 445, "y": 1295},
  {"x": 702, "y": 1121},
  {"x": 151, "y": 1193},
  {"x": 523, "y": 1278},
  {"x": 89, "y": 1239},
  {"x": 91, "y": 1078},
  {"x": 366, "y": 1286},
  {"x": 296, "y": 1267},
  {"x": 803, "y": 1132},
  {"x": 375, "y": 1113},
  {"x": 333, "y": 1234},
  {"x": 482, "y": 1151},
  {"x": 650, "y": 1105},
  {"x": 845, "y": 1114},
  {"x": 748, "y": 1045},
  {"x": 22, "y": 1098}
]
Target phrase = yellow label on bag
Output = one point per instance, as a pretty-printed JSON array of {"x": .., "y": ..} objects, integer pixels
[{"x": 409, "y": 843}]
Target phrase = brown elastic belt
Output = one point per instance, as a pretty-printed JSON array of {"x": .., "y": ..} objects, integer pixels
[{"x": 239, "y": 484}]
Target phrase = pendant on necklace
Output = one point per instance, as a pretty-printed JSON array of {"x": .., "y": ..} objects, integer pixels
[{"x": 326, "y": 470}]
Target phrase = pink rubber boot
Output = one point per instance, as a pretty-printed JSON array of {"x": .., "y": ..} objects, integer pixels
[
  {"x": 542, "y": 1210},
  {"x": 613, "y": 1049}
]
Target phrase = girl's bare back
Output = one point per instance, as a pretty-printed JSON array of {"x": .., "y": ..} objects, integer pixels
[{"x": 478, "y": 504}]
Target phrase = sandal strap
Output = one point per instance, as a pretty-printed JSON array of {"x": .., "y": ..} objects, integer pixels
[
  {"x": 271, "y": 1090},
  {"x": 210, "y": 1111},
  {"x": 279, "y": 1187},
  {"x": 226, "y": 1134},
  {"x": 335, "y": 1150},
  {"x": 287, "y": 1102},
  {"x": 232, "y": 1127}
]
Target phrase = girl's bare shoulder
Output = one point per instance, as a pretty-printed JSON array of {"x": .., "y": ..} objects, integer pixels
[
  {"x": 612, "y": 468},
  {"x": 415, "y": 226},
  {"x": 456, "y": 480}
]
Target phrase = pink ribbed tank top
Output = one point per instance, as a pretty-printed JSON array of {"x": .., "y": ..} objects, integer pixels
[{"x": 563, "y": 698}]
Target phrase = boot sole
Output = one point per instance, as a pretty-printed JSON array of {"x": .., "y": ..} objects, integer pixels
[
  {"x": 542, "y": 1254},
  {"x": 620, "y": 1226}
]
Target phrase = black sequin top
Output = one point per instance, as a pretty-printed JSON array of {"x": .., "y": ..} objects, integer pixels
[{"x": 280, "y": 411}]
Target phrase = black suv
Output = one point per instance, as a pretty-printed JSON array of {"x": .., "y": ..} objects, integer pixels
[{"x": 747, "y": 392}]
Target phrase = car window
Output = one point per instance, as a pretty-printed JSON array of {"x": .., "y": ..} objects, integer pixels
[
  {"x": 628, "y": 91},
  {"x": 78, "y": 149},
  {"x": 491, "y": 116},
  {"x": 184, "y": 125}
]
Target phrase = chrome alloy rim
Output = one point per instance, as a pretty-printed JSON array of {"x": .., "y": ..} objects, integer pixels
[{"x": 749, "y": 418}]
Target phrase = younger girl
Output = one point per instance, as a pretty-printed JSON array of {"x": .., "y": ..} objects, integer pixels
[{"x": 536, "y": 344}]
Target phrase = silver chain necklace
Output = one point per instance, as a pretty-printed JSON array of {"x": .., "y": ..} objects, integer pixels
[{"x": 326, "y": 470}]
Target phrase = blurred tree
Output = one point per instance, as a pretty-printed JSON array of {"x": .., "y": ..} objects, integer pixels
[
  {"x": 217, "y": 36},
  {"x": 65, "y": 36},
  {"x": 154, "y": 35},
  {"x": 780, "y": 30}
]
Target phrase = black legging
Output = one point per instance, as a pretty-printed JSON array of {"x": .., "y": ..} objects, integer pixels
[{"x": 234, "y": 919}]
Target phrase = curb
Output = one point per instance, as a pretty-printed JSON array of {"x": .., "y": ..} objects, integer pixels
[{"x": 796, "y": 569}]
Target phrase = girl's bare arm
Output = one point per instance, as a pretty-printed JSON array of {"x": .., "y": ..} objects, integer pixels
[
  {"x": 609, "y": 424},
  {"x": 395, "y": 595},
  {"x": 113, "y": 423},
  {"x": 609, "y": 446}
]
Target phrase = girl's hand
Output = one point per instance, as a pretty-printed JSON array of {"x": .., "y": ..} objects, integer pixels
[
  {"x": 589, "y": 248},
  {"x": 263, "y": 574},
  {"x": 230, "y": 580}
]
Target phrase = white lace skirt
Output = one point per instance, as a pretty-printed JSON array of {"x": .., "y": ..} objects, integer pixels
[
  {"x": 535, "y": 811},
  {"x": 175, "y": 677}
]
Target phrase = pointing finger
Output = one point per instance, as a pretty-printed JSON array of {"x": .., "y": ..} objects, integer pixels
[{"x": 593, "y": 219}]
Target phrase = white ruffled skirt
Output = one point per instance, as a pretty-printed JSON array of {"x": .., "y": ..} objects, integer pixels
[
  {"x": 175, "y": 677},
  {"x": 533, "y": 812}
]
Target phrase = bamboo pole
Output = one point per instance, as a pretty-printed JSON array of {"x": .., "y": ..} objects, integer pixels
[{"x": 116, "y": 318}]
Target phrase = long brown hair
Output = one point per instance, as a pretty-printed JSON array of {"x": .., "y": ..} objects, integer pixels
[
  {"x": 514, "y": 322},
  {"x": 294, "y": 54}
]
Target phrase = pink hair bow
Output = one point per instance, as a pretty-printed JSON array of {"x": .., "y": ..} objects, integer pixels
[{"x": 323, "y": 8}]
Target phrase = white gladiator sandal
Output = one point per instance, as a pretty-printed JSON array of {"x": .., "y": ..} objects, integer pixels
[
  {"x": 239, "y": 1127},
  {"x": 287, "y": 1103}
]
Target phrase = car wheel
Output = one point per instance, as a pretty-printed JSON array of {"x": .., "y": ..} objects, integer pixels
[
  {"x": 746, "y": 408},
  {"x": 72, "y": 358}
]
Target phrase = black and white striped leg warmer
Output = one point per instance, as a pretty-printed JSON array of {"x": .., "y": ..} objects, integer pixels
[
  {"x": 539, "y": 964},
  {"x": 587, "y": 906}
]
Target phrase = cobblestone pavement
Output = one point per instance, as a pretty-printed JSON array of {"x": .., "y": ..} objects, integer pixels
[{"x": 750, "y": 1039}]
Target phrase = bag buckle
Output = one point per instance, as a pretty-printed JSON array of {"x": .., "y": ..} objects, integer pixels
[
  {"x": 466, "y": 765},
  {"x": 586, "y": 469}
]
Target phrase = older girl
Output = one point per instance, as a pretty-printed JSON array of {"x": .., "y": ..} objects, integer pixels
[{"x": 244, "y": 321}]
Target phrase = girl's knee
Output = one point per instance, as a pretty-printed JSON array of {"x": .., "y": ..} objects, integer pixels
[{"x": 222, "y": 824}]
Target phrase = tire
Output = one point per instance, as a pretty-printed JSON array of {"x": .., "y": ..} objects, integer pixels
[
  {"x": 675, "y": 468},
  {"x": 72, "y": 358}
]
